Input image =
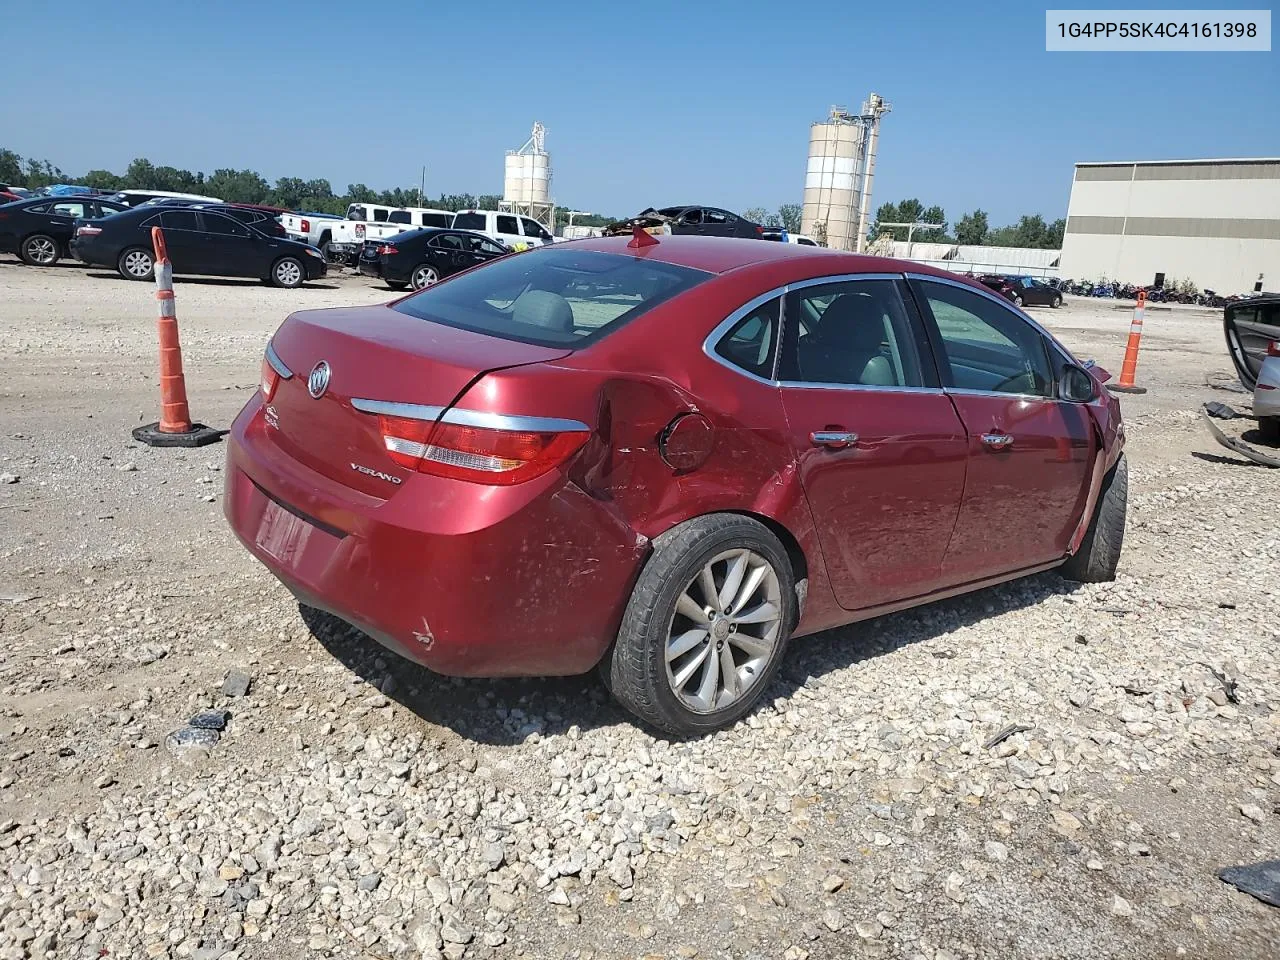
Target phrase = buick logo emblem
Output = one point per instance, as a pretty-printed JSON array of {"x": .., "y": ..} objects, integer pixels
[{"x": 318, "y": 380}]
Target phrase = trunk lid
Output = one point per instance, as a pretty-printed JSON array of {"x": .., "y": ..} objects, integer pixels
[
  {"x": 373, "y": 353},
  {"x": 1251, "y": 325}
]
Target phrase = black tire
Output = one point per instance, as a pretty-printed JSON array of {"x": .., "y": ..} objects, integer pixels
[
  {"x": 40, "y": 250},
  {"x": 636, "y": 665},
  {"x": 324, "y": 245},
  {"x": 1269, "y": 429},
  {"x": 1017, "y": 299},
  {"x": 130, "y": 261},
  {"x": 395, "y": 284},
  {"x": 1057, "y": 301},
  {"x": 424, "y": 275},
  {"x": 1099, "y": 553},
  {"x": 288, "y": 273}
]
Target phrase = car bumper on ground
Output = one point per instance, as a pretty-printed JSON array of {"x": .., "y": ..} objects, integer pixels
[{"x": 467, "y": 580}]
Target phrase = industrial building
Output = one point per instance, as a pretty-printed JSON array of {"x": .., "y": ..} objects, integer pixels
[{"x": 1214, "y": 222}]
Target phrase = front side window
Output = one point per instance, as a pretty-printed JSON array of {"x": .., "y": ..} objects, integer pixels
[
  {"x": 68, "y": 209},
  {"x": 224, "y": 225},
  {"x": 693, "y": 216},
  {"x": 558, "y": 298},
  {"x": 715, "y": 216},
  {"x": 532, "y": 228},
  {"x": 508, "y": 225},
  {"x": 179, "y": 220},
  {"x": 447, "y": 241},
  {"x": 752, "y": 342},
  {"x": 988, "y": 347},
  {"x": 852, "y": 332}
]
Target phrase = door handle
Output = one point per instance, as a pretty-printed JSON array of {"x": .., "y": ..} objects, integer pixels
[
  {"x": 832, "y": 439},
  {"x": 997, "y": 441}
]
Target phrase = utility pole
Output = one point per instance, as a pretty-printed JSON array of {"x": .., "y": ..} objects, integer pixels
[{"x": 422, "y": 190}]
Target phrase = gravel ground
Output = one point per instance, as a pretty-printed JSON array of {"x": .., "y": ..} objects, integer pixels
[{"x": 357, "y": 806}]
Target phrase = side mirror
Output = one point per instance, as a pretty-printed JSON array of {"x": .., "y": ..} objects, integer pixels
[{"x": 1076, "y": 386}]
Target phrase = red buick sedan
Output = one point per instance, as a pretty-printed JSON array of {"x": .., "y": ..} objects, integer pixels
[{"x": 667, "y": 458}]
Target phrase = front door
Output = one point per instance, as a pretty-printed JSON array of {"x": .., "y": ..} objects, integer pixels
[
  {"x": 232, "y": 251},
  {"x": 880, "y": 448},
  {"x": 1030, "y": 454},
  {"x": 184, "y": 240}
]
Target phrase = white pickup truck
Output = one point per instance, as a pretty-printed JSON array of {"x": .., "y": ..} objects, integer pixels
[
  {"x": 518, "y": 233},
  {"x": 313, "y": 228},
  {"x": 372, "y": 221}
]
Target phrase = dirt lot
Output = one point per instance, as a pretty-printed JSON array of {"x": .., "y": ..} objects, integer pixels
[{"x": 359, "y": 807}]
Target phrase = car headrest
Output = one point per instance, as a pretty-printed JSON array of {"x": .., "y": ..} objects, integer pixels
[{"x": 541, "y": 308}]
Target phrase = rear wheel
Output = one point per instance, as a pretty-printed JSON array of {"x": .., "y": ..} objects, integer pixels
[
  {"x": 135, "y": 263},
  {"x": 424, "y": 275},
  {"x": 1269, "y": 428},
  {"x": 1017, "y": 299},
  {"x": 39, "y": 250},
  {"x": 288, "y": 272},
  {"x": 706, "y": 627},
  {"x": 1057, "y": 301},
  {"x": 1099, "y": 553}
]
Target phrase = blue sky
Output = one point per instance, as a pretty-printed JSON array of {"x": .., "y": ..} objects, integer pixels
[{"x": 645, "y": 101}]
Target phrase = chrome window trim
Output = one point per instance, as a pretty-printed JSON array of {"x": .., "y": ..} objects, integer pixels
[
  {"x": 277, "y": 364},
  {"x": 855, "y": 387},
  {"x": 470, "y": 418},
  {"x": 725, "y": 325},
  {"x": 996, "y": 298},
  {"x": 1008, "y": 396}
]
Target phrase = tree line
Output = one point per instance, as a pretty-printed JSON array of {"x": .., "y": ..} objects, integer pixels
[
  {"x": 973, "y": 229},
  {"x": 248, "y": 186}
]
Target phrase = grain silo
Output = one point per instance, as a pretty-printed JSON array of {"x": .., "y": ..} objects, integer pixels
[
  {"x": 837, "y": 183},
  {"x": 526, "y": 184}
]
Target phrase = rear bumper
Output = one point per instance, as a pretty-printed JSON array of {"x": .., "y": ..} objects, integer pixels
[
  {"x": 1266, "y": 393},
  {"x": 371, "y": 268},
  {"x": 464, "y": 579}
]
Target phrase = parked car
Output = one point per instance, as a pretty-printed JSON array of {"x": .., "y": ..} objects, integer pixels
[
  {"x": 1024, "y": 291},
  {"x": 374, "y": 222},
  {"x": 585, "y": 455},
  {"x": 11, "y": 194},
  {"x": 308, "y": 227},
  {"x": 1252, "y": 327},
  {"x": 508, "y": 229},
  {"x": 205, "y": 242},
  {"x": 690, "y": 220},
  {"x": 421, "y": 258},
  {"x": 136, "y": 198},
  {"x": 40, "y": 229}
]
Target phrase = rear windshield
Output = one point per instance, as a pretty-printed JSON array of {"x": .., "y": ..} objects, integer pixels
[
  {"x": 556, "y": 298},
  {"x": 469, "y": 221}
]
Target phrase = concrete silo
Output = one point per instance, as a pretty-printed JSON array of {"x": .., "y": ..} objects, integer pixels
[
  {"x": 526, "y": 183},
  {"x": 837, "y": 183}
]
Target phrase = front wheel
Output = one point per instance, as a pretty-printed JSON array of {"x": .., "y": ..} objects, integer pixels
[
  {"x": 1099, "y": 553},
  {"x": 706, "y": 627},
  {"x": 424, "y": 276},
  {"x": 288, "y": 272},
  {"x": 135, "y": 263},
  {"x": 39, "y": 250}
]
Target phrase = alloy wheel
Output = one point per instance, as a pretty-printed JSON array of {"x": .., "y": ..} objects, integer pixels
[
  {"x": 288, "y": 273},
  {"x": 138, "y": 264},
  {"x": 424, "y": 277},
  {"x": 723, "y": 632},
  {"x": 42, "y": 250}
]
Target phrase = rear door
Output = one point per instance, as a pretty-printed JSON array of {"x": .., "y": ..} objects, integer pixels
[
  {"x": 880, "y": 448},
  {"x": 1030, "y": 455},
  {"x": 1250, "y": 328}
]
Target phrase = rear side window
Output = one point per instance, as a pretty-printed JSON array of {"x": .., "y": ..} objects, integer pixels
[
  {"x": 179, "y": 220},
  {"x": 435, "y": 220},
  {"x": 715, "y": 216},
  {"x": 449, "y": 241},
  {"x": 507, "y": 225},
  {"x": 469, "y": 221},
  {"x": 556, "y": 298},
  {"x": 380, "y": 216},
  {"x": 752, "y": 342}
]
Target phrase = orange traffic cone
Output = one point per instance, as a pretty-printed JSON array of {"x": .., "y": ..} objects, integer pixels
[
  {"x": 1130, "y": 368},
  {"x": 174, "y": 428}
]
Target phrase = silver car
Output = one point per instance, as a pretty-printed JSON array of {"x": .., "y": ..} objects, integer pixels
[{"x": 1252, "y": 328}]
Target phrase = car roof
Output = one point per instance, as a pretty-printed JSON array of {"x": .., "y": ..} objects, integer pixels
[{"x": 724, "y": 254}]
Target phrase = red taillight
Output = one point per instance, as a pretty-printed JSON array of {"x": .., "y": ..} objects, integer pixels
[
  {"x": 305, "y": 226},
  {"x": 760, "y": 230},
  {"x": 270, "y": 380},
  {"x": 476, "y": 454},
  {"x": 87, "y": 231},
  {"x": 359, "y": 229},
  {"x": 386, "y": 250},
  {"x": 1273, "y": 348}
]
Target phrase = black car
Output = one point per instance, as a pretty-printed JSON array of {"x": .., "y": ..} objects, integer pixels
[
  {"x": 694, "y": 221},
  {"x": 203, "y": 242},
  {"x": 1023, "y": 291},
  {"x": 260, "y": 220},
  {"x": 39, "y": 230},
  {"x": 419, "y": 258}
]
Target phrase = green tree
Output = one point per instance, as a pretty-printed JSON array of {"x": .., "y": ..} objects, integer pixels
[
  {"x": 973, "y": 228},
  {"x": 359, "y": 193},
  {"x": 41, "y": 173},
  {"x": 102, "y": 180},
  {"x": 238, "y": 186},
  {"x": 488, "y": 201},
  {"x": 790, "y": 214},
  {"x": 11, "y": 169}
]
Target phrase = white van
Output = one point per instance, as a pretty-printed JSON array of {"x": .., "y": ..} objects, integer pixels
[
  {"x": 515, "y": 231},
  {"x": 136, "y": 198}
]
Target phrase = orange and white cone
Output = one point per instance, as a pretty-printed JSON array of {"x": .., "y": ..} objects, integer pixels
[
  {"x": 1130, "y": 368},
  {"x": 174, "y": 428}
]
